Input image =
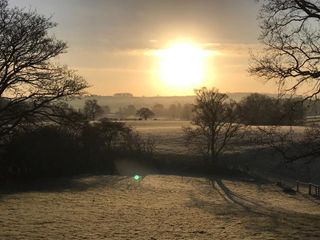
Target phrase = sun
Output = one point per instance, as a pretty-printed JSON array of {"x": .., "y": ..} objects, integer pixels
[{"x": 182, "y": 65}]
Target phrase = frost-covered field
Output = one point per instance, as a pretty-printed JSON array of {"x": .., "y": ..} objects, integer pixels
[
  {"x": 158, "y": 207},
  {"x": 168, "y": 136}
]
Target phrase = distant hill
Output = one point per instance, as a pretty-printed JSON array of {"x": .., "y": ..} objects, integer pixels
[{"x": 115, "y": 102}]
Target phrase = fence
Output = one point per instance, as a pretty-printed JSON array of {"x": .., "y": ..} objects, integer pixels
[
  {"x": 313, "y": 189},
  {"x": 309, "y": 120}
]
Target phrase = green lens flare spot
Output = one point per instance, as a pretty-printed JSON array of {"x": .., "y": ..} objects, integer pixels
[{"x": 137, "y": 178}]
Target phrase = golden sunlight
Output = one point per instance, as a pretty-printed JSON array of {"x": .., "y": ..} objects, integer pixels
[{"x": 182, "y": 65}]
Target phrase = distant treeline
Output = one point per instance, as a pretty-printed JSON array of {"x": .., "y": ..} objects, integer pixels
[
  {"x": 254, "y": 109},
  {"x": 174, "y": 111},
  {"x": 260, "y": 109}
]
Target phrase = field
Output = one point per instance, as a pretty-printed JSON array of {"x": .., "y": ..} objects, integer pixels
[
  {"x": 162, "y": 206},
  {"x": 168, "y": 135},
  {"x": 261, "y": 162},
  {"x": 157, "y": 207}
]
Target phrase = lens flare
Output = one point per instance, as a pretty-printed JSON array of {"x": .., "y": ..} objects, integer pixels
[{"x": 137, "y": 178}]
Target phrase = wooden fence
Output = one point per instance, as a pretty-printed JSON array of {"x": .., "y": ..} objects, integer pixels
[{"x": 313, "y": 189}]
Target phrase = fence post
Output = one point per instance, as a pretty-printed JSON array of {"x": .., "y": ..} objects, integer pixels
[{"x": 309, "y": 188}]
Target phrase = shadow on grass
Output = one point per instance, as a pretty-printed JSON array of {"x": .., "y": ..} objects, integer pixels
[
  {"x": 62, "y": 184},
  {"x": 258, "y": 217},
  {"x": 161, "y": 164}
]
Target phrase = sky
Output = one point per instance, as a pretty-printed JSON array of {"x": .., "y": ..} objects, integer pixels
[{"x": 112, "y": 43}]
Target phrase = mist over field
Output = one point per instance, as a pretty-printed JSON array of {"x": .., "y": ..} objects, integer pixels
[
  {"x": 114, "y": 102},
  {"x": 159, "y": 120}
]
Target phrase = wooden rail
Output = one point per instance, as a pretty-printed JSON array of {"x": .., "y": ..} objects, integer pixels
[{"x": 313, "y": 189}]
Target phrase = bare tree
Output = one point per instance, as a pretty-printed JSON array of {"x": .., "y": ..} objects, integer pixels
[
  {"x": 292, "y": 144},
  {"x": 92, "y": 109},
  {"x": 290, "y": 33},
  {"x": 215, "y": 122},
  {"x": 30, "y": 82}
]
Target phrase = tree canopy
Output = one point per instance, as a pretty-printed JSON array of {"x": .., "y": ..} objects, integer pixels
[
  {"x": 215, "y": 120},
  {"x": 145, "y": 113},
  {"x": 31, "y": 82},
  {"x": 92, "y": 109},
  {"x": 260, "y": 109},
  {"x": 290, "y": 33}
]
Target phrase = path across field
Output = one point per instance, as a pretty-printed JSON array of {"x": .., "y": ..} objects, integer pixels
[{"x": 157, "y": 207}]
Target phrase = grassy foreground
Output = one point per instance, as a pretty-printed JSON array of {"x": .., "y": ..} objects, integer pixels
[
  {"x": 161, "y": 206},
  {"x": 157, "y": 207}
]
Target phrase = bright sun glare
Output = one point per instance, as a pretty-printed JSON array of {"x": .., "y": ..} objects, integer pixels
[{"x": 182, "y": 65}]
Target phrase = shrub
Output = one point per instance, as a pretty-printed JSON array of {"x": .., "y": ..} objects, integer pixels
[{"x": 56, "y": 151}]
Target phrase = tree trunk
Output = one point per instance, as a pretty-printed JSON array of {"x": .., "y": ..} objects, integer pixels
[{"x": 213, "y": 139}]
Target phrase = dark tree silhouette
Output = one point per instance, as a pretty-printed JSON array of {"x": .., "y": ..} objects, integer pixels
[
  {"x": 106, "y": 109},
  {"x": 260, "y": 109},
  {"x": 215, "y": 121},
  {"x": 173, "y": 111},
  {"x": 290, "y": 33},
  {"x": 186, "y": 113},
  {"x": 30, "y": 83},
  {"x": 127, "y": 111},
  {"x": 158, "y": 109},
  {"x": 145, "y": 113},
  {"x": 92, "y": 109},
  {"x": 292, "y": 145}
]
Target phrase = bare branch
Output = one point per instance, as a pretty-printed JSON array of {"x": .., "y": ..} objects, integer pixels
[{"x": 30, "y": 84}]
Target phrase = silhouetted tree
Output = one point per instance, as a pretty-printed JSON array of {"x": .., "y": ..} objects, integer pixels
[
  {"x": 127, "y": 111},
  {"x": 145, "y": 113},
  {"x": 158, "y": 109},
  {"x": 29, "y": 79},
  {"x": 260, "y": 109},
  {"x": 290, "y": 33},
  {"x": 293, "y": 111},
  {"x": 54, "y": 150},
  {"x": 293, "y": 145},
  {"x": 92, "y": 109},
  {"x": 186, "y": 113},
  {"x": 215, "y": 122},
  {"x": 124, "y": 95},
  {"x": 67, "y": 117},
  {"x": 172, "y": 111},
  {"x": 106, "y": 109},
  {"x": 42, "y": 152}
]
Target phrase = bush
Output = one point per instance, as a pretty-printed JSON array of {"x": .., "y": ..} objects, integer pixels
[
  {"x": 42, "y": 152},
  {"x": 48, "y": 152},
  {"x": 116, "y": 138},
  {"x": 54, "y": 151}
]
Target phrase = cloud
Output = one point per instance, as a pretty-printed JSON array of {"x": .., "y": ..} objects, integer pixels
[{"x": 213, "y": 48}]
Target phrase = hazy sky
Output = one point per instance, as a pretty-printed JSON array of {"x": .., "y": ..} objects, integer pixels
[{"x": 110, "y": 40}]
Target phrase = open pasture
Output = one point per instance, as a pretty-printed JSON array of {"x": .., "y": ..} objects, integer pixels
[
  {"x": 160, "y": 206},
  {"x": 157, "y": 207},
  {"x": 243, "y": 154}
]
